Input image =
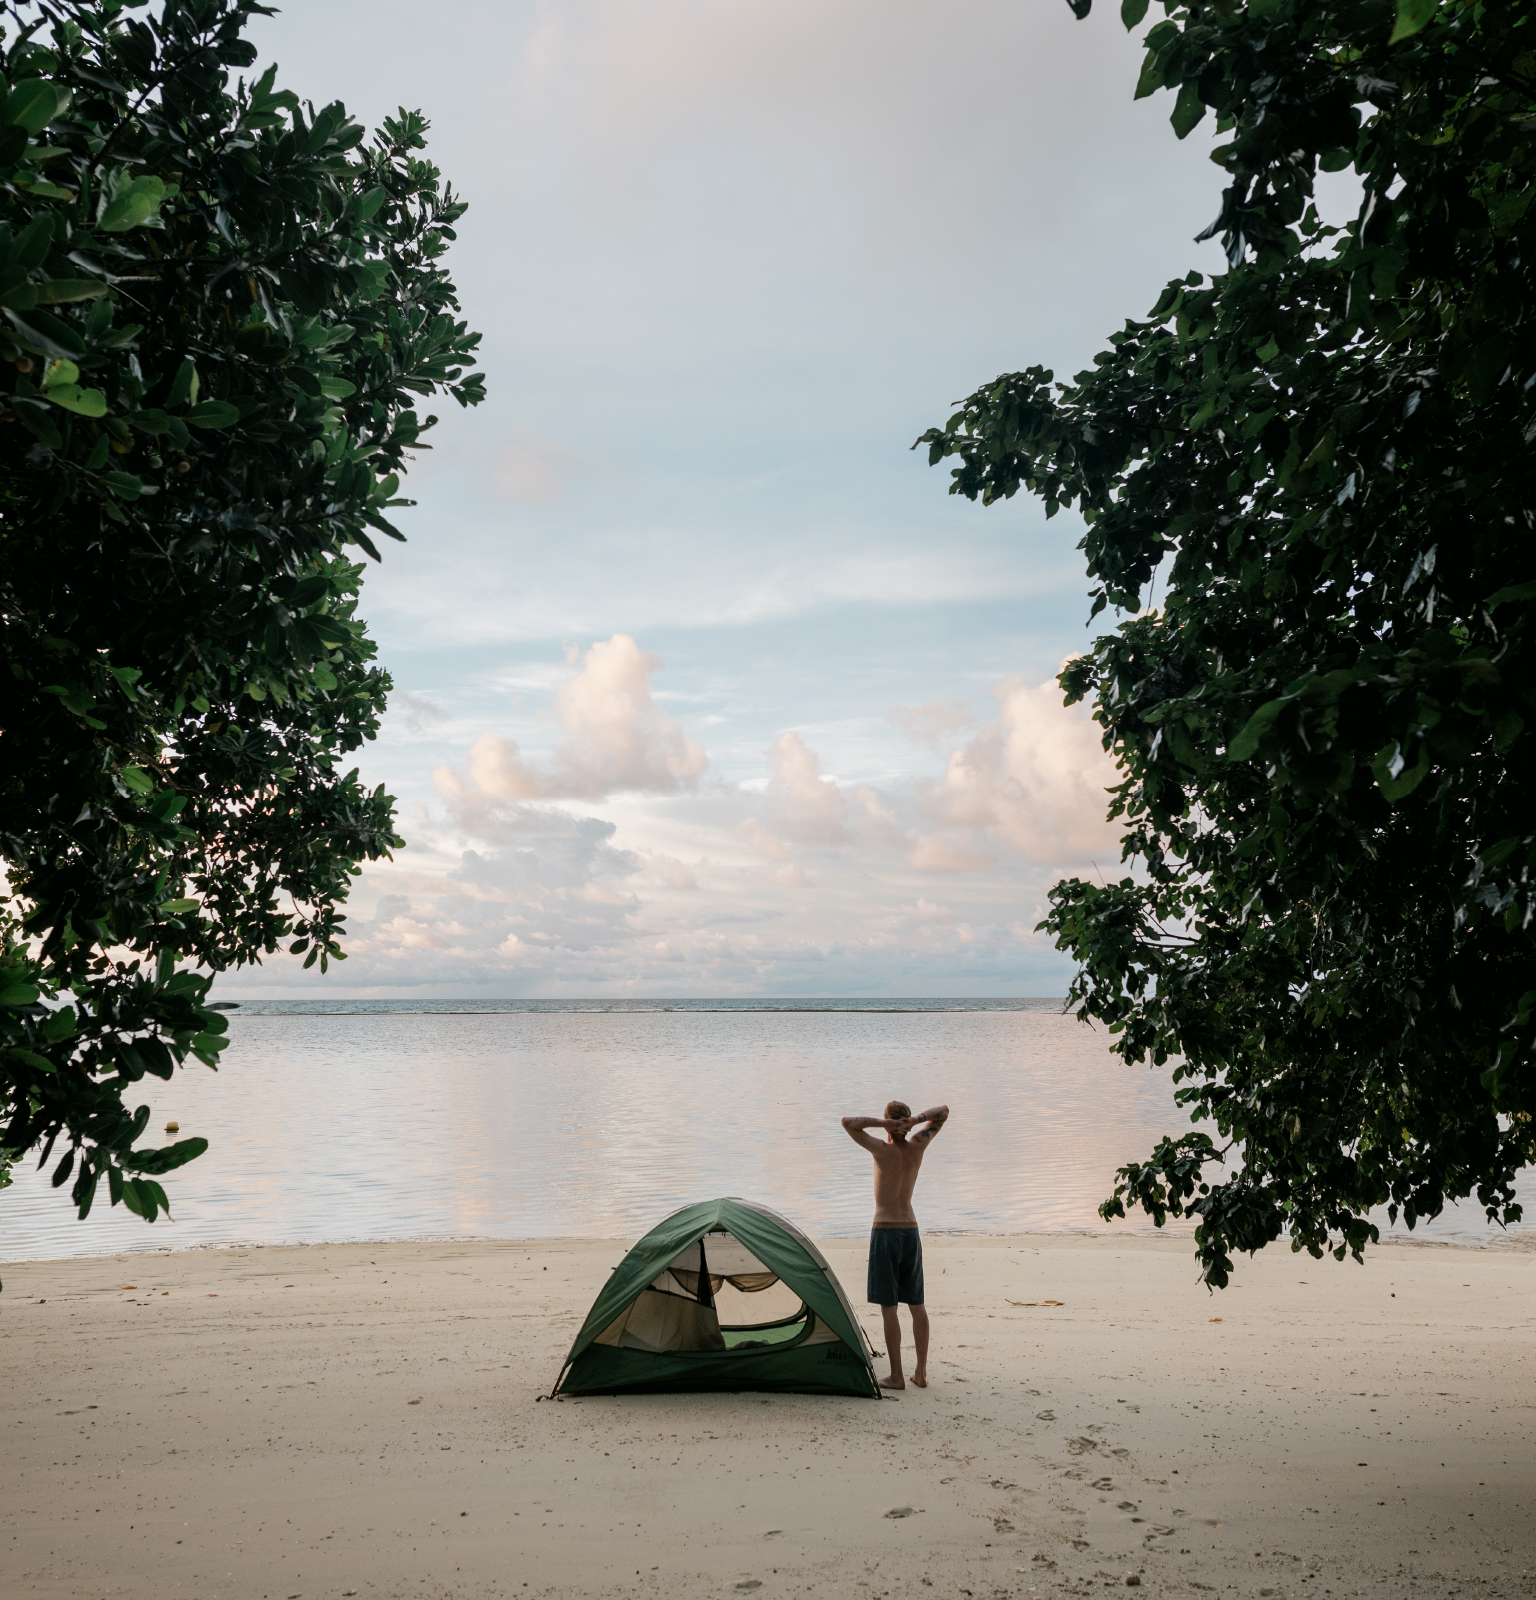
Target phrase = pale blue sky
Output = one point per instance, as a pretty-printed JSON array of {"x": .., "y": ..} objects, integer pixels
[{"x": 730, "y": 257}]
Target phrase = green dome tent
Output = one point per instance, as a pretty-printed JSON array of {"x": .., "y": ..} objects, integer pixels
[{"x": 658, "y": 1327}]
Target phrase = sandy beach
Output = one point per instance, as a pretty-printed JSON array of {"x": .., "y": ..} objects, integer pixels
[{"x": 363, "y": 1420}]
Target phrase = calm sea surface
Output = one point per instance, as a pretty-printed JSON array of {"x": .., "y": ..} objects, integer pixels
[{"x": 537, "y": 1119}]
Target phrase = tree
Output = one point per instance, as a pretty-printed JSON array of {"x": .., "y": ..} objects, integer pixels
[
  {"x": 217, "y": 309},
  {"x": 1322, "y": 729}
]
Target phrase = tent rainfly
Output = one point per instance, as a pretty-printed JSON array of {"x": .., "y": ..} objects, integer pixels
[{"x": 660, "y": 1326}]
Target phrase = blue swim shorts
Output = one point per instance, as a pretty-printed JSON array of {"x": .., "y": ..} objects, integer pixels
[{"x": 895, "y": 1267}]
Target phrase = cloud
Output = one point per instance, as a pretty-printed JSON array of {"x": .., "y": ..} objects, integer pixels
[
  {"x": 931, "y": 854},
  {"x": 615, "y": 739},
  {"x": 414, "y": 712},
  {"x": 530, "y": 470},
  {"x": 668, "y": 870},
  {"x": 1033, "y": 781},
  {"x": 766, "y": 844},
  {"x": 928, "y": 724},
  {"x": 505, "y": 887},
  {"x": 804, "y": 807},
  {"x": 1030, "y": 785}
]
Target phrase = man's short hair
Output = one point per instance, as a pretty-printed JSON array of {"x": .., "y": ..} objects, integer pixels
[{"x": 896, "y": 1110}]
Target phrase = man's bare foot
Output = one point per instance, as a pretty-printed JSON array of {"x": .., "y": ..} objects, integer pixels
[
  {"x": 920, "y": 1378},
  {"x": 893, "y": 1382}
]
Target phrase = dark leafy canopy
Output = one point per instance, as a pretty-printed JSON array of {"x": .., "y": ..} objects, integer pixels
[
  {"x": 1324, "y": 730},
  {"x": 217, "y": 310}
]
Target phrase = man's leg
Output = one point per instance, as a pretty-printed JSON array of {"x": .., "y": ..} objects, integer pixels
[
  {"x": 920, "y": 1339},
  {"x": 892, "y": 1320}
]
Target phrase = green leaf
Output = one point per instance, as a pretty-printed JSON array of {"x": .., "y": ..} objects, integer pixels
[
  {"x": 123, "y": 484},
  {"x": 1131, "y": 12},
  {"x": 1396, "y": 780},
  {"x": 367, "y": 206},
  {"x": 1412, "y": 15},
  {"x": 31, "y": 1057},
  {"x": 58, "y": 290},
  {"x": 133, "y": 206},
  {"x": 184, "y": 386},
  {"x": 371, "y": 278},
  {"x": 137, "y": 779},
  {"x": 1151, "y": 79},
  {"x": 1188, "y": 109},
  {"x": 32, "y": 244},
  {"x": 167, "y": 1158},
  {"x": 47, "y": 334},
  {"x": 213, "y": 414},
  {"x": 1247, "y": 741},
  {"x": 19, "y": 290},
  {"x": 34, "y": 103},
  {"x": 86, "y": 402},
  {"x": 1516, "y": 591},
  {"x": 15, "y": 992},
  {"x": 175, "y": 908},
  {"x": 33, "y": 416}
]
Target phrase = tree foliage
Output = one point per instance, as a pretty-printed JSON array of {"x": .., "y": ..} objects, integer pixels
[
  {"x": 218, "y": 311},
  {"x": 1323, "y": 729}
]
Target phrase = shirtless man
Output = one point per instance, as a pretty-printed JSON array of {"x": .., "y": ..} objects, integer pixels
[{"x": 895, "y": 1247}]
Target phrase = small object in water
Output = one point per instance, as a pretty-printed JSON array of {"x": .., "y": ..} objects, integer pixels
[{"x": 173, "y": 1127}]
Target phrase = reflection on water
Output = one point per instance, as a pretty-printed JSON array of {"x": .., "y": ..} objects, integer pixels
[{"x": 415, "y": 1121}]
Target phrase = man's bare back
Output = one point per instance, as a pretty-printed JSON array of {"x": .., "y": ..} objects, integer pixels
[{"x": 895, "y": 1252}]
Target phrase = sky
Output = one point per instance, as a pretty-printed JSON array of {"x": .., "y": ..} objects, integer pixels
[{"x": 705, "y": 685}]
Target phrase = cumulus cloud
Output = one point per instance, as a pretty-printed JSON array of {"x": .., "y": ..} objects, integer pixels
[
  {"x": 804, "y": 806},
  {"x": 1033, "y": 781},
  {"x": 507, "y": 886},
  {"x": 1027, "y": 786},
  {"x": 928, "y": 724},
  {"x": 615, "y": 739},
  {"x": 762, "y": 840}
]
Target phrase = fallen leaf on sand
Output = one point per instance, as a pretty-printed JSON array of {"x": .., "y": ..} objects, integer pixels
[
  {"x": 415, "y": 1402},
  {"x": 899, "y": 1511},
  {"x": 1213, "y": 1319},
  {"x": 1036, "y": 1302}
]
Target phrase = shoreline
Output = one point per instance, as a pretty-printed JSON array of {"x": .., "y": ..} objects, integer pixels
[
  {"x": 1523, "y": 1241},
  {"x": 321, "y": 1420}
]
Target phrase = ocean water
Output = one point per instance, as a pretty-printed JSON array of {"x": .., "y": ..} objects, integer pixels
[{"x": 536, "y": 1119}]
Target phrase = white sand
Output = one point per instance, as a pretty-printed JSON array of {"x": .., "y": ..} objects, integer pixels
[{"x": 241, "y": 1424}]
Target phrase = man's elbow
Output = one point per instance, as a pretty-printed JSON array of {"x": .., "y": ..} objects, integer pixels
[{"x": 848, "y": 1123}]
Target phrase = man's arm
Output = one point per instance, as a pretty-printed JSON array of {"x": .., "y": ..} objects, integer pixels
[
  {"x": 855, "y": 1127},
  {"x": 934, "y": 1120}
]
